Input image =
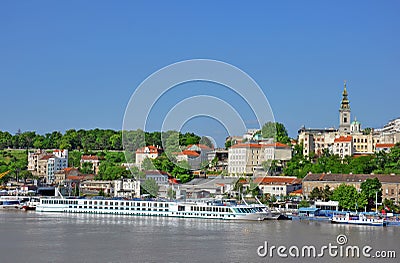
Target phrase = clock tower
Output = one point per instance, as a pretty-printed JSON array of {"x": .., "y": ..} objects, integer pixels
[{"x": 344, "y": 112}]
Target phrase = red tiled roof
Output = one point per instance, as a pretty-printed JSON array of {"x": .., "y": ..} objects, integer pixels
[
  {"x": 151, "y": 148},
  {"x": 247, "y": 145},
  {"x": 90, "y": 158},
  {"x": 276, "y": 145},
  {"x": 276, "y": 180},
  {"x": 384, "y": 145},
  {"x": 297, "y": 192},
  {"x": 344, "y": 139},
  {"x": 80, "y": 177},
  {"x": 189, "y": 153},
  {"x": 201, "y": 146}
]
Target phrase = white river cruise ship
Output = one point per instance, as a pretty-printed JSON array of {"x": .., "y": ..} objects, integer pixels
[{"x": 217, "y": 209}]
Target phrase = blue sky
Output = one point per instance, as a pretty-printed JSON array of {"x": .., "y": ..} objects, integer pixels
[{"x": 75, "y": 64}]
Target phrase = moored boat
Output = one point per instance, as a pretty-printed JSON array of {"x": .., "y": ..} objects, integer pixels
[
  {"x": 9, "y": 204},
  {"x": 31, "y": 204},
  {"x": 358, "y": 219},
  {"x": 139, "y": 207}
]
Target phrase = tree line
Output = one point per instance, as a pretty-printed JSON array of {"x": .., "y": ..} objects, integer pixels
[{"x": 94, "y": 139}]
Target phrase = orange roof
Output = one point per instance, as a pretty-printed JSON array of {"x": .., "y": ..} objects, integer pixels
[
  {"x": 276, "y": 180},
  {"x": 189, "y": 153},
  {"x": 90, "y": 157},
  {"x": 201, "y": 146},
  {"x": 151, "y": 149},
  {"x": 80, "y": 177},
  {"x": 277, "y": 145},
  {"x": 344, "y": 139},
  {"x": 247, "y": 145},
  {"x": 385, "y": 145},
  {"x": 298, "y": 192}
]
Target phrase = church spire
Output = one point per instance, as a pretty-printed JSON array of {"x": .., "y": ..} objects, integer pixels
[{"x": 345, "y": 101}]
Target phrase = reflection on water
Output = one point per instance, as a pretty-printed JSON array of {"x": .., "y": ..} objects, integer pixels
[{"x": 35, "y": 237}]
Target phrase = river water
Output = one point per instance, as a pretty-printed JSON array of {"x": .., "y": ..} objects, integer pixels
[{"x": 47, "y": 237}]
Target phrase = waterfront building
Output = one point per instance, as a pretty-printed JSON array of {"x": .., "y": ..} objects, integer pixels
[
  {"x": 93, "y": 187},
  {"x": 127, "y": 188},
  {"x": 390, "y": 183},
  {"x": 278, "y": 185},
  {"x": 160, "y": 177},
  {"x": 206, "y": 187}
]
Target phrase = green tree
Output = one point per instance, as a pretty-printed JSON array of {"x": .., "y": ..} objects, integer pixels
[
  {"x": 315, "y": 194},
  {"x": 147, "y": 164},
  {"x": 228, "y": 144},
  {"x": 86, "y": 168},
  {"x": 304, "y": 203},
  {"x": 370, "y": 188},
  {"x": 327, "y": 193},
  {"x": 275, "y": 130},
  {"x": 349, "y": 198},
  {"x": 254, "y": 189}
]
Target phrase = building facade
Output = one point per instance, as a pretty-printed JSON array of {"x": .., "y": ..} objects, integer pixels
[
  {"x": 127, "y": 188},
  {"x": 364, "y": 142},
  {"x": 390, "y": 183},
  {"x": 45, "y": 165},
  {"x": 244, "y": 159},
  {"x": 93, "y": 159},
  {"x": 151, "y": 152}
]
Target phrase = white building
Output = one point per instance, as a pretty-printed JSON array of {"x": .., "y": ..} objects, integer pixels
[
  {"x": 151, "y": 152},
  {"x": 45, "y": 165},
  {"x": 343, "y": 146},
  {"x": 93, "y": 159},
  {"x": 278, "y": 185},
  {"x": 160, "y": 177},
  {"x": 245, "y": 158},
  {"x": 127, "y": 188},
  {"x": 195, "y": 155}
]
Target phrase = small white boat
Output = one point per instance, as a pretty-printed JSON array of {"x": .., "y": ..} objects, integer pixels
[
  {"x": 358, "y": 219},
  {"x": 9, "y": 203}
]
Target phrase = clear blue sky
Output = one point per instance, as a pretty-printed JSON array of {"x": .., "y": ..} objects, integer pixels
[{"x": 75, "y": 64}]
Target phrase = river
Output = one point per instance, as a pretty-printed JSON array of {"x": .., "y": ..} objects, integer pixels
[{"x": 47, "y": 237}]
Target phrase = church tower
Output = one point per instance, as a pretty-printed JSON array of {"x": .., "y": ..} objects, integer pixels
[{"x": 344, "y": 113}]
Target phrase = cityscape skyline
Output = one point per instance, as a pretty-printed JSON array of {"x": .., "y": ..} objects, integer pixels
[{"x": 73, "y": 66}]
